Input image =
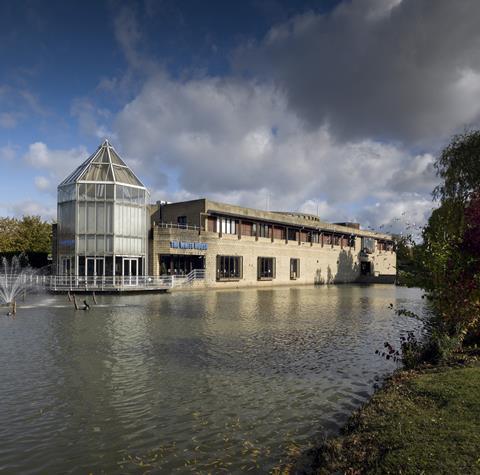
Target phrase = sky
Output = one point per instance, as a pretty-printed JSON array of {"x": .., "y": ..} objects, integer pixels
[{"x": 337, "y": 108}]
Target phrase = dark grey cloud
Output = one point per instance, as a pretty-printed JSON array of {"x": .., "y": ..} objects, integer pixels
[{"x": 401, "y": 70}]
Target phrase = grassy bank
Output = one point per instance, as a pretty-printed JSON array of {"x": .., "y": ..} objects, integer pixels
[{"x": 425, "y": 421}]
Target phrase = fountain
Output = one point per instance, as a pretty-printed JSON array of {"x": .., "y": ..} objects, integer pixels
[{"x": 15, "y": 280}]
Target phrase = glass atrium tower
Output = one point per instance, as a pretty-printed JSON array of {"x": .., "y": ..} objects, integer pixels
[{"x": 102, "y": 219}]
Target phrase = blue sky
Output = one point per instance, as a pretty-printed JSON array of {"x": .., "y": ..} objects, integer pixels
[{"x": 301, "y": 105}]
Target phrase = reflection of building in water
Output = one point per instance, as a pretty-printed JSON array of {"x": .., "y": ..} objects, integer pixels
[{"x": 105, "y": 228}]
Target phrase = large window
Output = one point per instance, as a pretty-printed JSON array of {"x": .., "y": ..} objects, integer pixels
[
  {"x": 294, "y": 269},
  {"x": 266, "y": 268},
  {"x": 226, "y": 226},
  {"x": 264, "y": 230},
  {"x": 368, "y": 245},
  {"x": 229, "y": 267}
]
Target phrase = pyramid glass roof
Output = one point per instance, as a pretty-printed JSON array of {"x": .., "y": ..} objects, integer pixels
[{"x": 104, "y": 165}]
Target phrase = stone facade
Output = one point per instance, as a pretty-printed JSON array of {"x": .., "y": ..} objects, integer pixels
[{"x": 319, "y": 263}]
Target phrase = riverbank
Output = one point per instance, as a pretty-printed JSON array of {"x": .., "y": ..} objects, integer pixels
[{"x": 422, "y": 421}]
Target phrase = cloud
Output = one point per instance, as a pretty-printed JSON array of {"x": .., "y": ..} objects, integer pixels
[
  {"x": 57, "y": 163},
  {"x": 42, "y": 183},
  {"x": 90, "y": 118},
  {"x": 238, "y": 141},
  {"x": 29, "y": 208},
  {"x": 8, "y": 152},
  {"x": 403, "y": 71}
]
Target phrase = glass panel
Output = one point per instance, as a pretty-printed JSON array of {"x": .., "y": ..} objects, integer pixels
[
  {"x": 124, "y": 175},
  {"x": 90, "y": 191},
  {"x": 100, "y": 218},
  {"x": 91, "y": 244},
  {"x": 90, "y": 217},
  {"x": 108, "y": 244},
  {"x": 97, "y": 172},
  {"x": 116, "y": 160},
  {"x": 109, "y": 192},
  {"x": 109, "y": 218},
  {"x": 100, "y": 244},
  {"x": 100, "y": 192},
  {"x": 81, "y": 218},
  {"x": 90, "y": 267},
  {"x": 82, "y": 191},
  {"x": 81, "y": 244}
]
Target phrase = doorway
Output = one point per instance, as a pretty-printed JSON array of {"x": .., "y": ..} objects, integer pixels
[
  {"x": 95, "y": 269},
  {"x": 130, "y": 270}
]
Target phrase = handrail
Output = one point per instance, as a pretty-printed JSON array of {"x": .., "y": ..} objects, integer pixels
[
  {"x": 82, "y": 282},
  {"x": 187, "y": 227}
]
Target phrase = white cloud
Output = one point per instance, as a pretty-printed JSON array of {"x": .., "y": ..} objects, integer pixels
[
  {"x": 239, "y": 142},
  {"x": 43, "y": 184},
  {"x": 58, "y": 163},
  {"x": 29, "y": 208}
]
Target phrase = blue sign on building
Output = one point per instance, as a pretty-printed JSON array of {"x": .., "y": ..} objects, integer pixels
[{"x": 199, "y": 246}]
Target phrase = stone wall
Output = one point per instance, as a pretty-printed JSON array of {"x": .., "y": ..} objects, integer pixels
[{"x": 318, "y": 264}]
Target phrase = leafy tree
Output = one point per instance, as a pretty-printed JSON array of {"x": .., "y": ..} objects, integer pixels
[
  {"x": 451, "y": 258},
  {"x": 29, "y": 234}
]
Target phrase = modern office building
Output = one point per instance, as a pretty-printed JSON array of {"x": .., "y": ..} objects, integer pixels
[
  {"x": 106, "y": 228},
  {"x": 102, "y": 221}
]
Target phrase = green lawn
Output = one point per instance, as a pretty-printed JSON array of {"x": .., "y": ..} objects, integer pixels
[{"x": 421, "y": 422}]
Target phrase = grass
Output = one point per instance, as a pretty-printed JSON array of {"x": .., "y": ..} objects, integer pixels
[{"x": 422, "y": 422}]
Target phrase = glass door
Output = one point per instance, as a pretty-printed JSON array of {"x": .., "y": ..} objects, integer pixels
[{"x": 130, "y": 270}]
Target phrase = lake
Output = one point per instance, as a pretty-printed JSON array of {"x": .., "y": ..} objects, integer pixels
[{"x": 189, "y": 382}]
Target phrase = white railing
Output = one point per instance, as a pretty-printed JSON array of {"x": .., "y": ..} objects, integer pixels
[
  {"x": 179, "y": 226},
  {"x": 164, "y": 282}
]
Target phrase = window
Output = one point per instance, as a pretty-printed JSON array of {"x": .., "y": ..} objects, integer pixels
[
  {"x": 292, "y": 234},
  {"x": 294, "y": 269},
  {"x": 226, "y": 226},
  {"x": 229, "y": 267},
  {"x": 264, "y": 230},
  {"x": 368, "y": 245},
  {"x": 266, "y": 268},
  {"x": 182, "y": 221}
]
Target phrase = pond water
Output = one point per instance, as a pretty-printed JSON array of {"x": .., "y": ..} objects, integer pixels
[{"x": 199, "y": 382}]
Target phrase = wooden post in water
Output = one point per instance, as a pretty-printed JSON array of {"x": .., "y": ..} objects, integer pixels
[
  {"x": 69, "y": 296},
  {"x": 94, "y": 298},
  {"x": 14, "y": 307},
  {"x": 75, "y": 302}
]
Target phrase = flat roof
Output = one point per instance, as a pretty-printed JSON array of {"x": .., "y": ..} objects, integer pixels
[{"x": 303, "y": 220}]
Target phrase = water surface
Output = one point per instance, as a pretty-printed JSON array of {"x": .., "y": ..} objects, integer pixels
[{"x": 211, "y": 381}]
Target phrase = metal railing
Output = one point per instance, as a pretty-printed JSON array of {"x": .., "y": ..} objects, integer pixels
[
  {"x": 187, "y": 227},
  {"x": 104, "y": 283}
]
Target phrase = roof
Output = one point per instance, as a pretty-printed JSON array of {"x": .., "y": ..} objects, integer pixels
[{"x": 104, "y": 165}]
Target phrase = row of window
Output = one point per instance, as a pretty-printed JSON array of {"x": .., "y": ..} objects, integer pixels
[
  {"x": 231, "y": 268},
  {"x": 248, "y": 228},
  {"x": 101, "y": 192}
]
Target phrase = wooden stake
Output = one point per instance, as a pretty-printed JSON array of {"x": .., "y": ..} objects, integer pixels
[
  {"x": 94, "y": 298},
  {"x": 75, "y": 302},
  {"x": 14, "y": 308},
  {"x": 69, "y": 296}
]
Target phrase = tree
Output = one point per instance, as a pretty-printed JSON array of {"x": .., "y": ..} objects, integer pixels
[
  {"x": 451, "y": 258},
  {"x": 29, "y": 234}
]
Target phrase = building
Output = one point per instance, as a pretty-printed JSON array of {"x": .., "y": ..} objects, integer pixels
[
  {"x": 239, "y": 246},
  {"x": 107, "y": 229},
  {"x": 102, "y": 220}
]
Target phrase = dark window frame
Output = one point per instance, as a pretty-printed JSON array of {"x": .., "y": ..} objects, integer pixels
[
  {"x": 229, "y": 268},
  {"x": 266, "y": 268},
  {"x": 294, "y": 268}
]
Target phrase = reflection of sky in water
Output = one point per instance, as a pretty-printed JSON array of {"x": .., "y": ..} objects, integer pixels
[{"x": 189, "y": 381}]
